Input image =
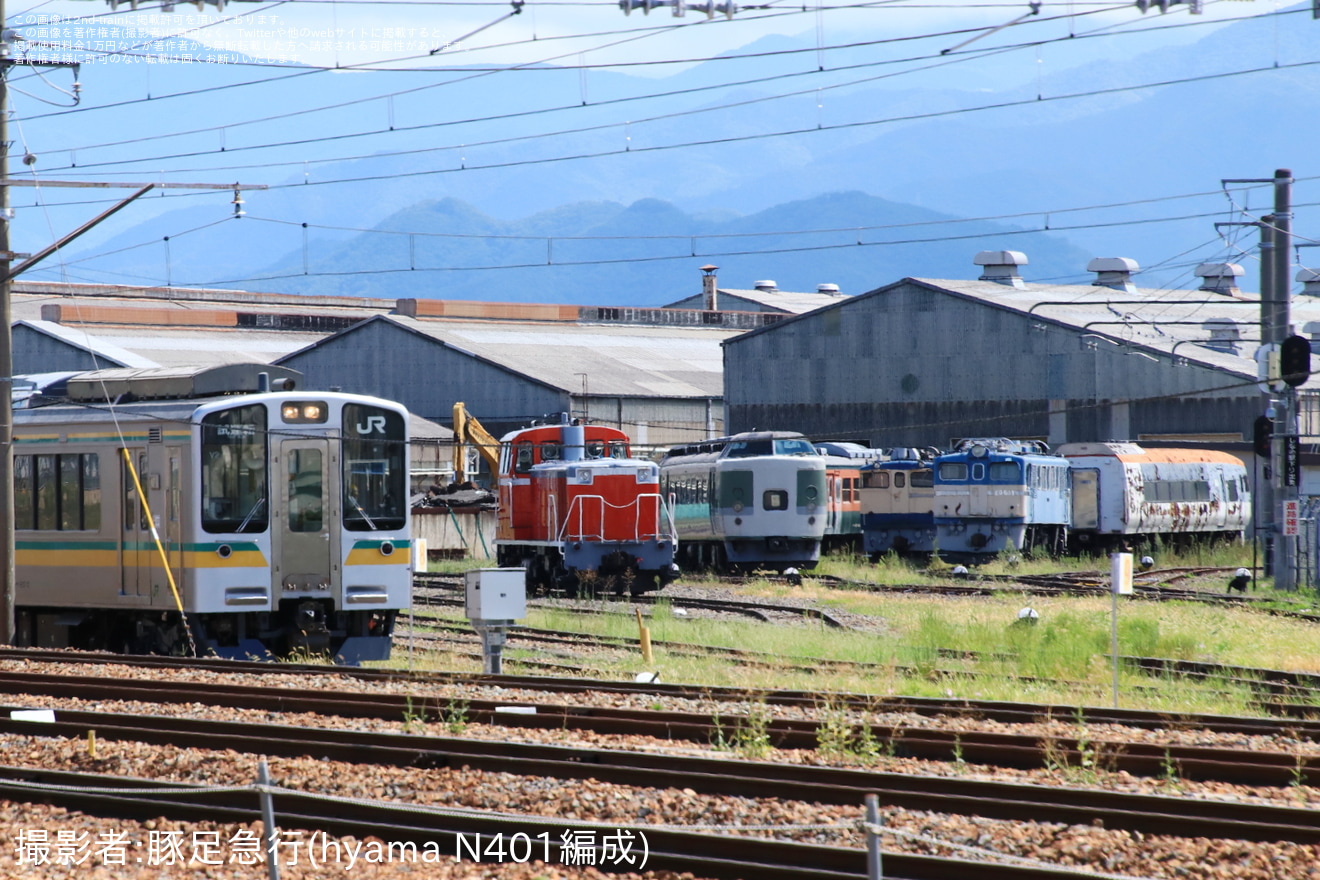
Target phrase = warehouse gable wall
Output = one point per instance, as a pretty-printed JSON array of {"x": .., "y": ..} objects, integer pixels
[
  {"x": 379, "y": 357},
  {"x": 36, "y": 352}
]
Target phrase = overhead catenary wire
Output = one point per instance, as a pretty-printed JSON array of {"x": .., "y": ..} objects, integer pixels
[{"x": 940, "y": 60}]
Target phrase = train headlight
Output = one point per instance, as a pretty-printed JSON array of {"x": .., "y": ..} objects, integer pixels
[
  {"x": 303, "y": 411},
  {"x": 737, "y": 507}
]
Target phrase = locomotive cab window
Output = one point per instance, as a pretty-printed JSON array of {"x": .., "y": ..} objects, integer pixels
[
  {"x": 618, "y": 449},
  {"x": 794, "y": 447},
  {"x": 900, "y": 480},
  {"x": 595, "y": 449},
  {"x": 234, "y": 480},
  {"x": 953, "y": 471},
  {"x": 375, "y": 469},
  {"x": 878, "y": 480},
  {"x": 922, "y": 479},
  {"x": 550, "y": 452},
  {"x": 749, "y": 448},
  {"x": 1005, "y": 472}
]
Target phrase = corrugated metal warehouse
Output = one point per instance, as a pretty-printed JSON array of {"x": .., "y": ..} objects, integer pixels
[
  {"x": 662, "y": 385},
  {"x": 924, "y": 361},
  {"x": 654, "y": 371}
]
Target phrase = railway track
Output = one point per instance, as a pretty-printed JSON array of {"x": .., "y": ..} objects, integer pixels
[
  {"x": 1149, "y": 814},
  {"x": 1000, "y": 711},
  {"x": 1029, "y": 751}
]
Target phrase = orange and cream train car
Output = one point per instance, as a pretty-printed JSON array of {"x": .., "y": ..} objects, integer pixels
[
  {"x": 273, "y": 522},
  {"x": 1124, "y": 493},
  {"x": 579, "y": 513}
]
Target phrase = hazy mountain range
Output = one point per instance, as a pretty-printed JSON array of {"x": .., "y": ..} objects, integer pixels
[{"x": 651, "y": 215}]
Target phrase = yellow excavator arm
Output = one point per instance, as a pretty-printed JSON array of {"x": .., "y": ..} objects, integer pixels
[{"x": 469, "y": 431}]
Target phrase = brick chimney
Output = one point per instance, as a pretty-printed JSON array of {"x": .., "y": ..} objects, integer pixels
[{"x": 708, "y": 289}]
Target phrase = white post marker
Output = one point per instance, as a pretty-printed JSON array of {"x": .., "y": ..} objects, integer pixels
[
  {"x": 496, "y": 598},
  {"x": 1120, "y": 584}
]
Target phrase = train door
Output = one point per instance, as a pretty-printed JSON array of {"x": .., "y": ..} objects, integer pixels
[
  {"x": 1085, "y": 498},
  {"x": 136, "y": 545},
  {"x": 978, "y": 502},
  {"x": 304, "y": 558}
]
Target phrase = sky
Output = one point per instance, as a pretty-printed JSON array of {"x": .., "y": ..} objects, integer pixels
[
  {"x": 405, "y": 32},
  {"x": 103, "y": 140}
]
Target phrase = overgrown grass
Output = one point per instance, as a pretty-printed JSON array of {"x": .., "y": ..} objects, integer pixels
[
  {"x": 971, "y": 647},
  {"x": 961, "y": 647}
]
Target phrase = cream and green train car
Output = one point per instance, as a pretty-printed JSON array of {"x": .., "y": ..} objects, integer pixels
[{"x": 282, "y": 517}]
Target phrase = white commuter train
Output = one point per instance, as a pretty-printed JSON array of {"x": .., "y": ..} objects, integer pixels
[{"x": 282, "y": 516}]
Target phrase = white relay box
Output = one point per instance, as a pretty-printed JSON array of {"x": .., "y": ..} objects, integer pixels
[{"x": 496, "y": 593}]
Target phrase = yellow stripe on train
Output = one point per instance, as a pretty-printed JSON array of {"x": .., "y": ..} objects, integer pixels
[
  {"x": 66, "y": 557},
  {"x": 373, "y": 556}
]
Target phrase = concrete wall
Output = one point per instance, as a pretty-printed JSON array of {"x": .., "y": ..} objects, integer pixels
[{"x": 456, "y": 534}]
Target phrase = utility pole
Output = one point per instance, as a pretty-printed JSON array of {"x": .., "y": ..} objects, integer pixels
[
  {"x": 1282, "y": 473},
  {"x": 8, "y": 271},
  {"x": 1286, "y": 473},
  {"x": 6, "y": 357}
]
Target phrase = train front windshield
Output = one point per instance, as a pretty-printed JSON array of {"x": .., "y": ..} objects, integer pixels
[
  {"x": 234, "y": 471},
  {"x": 375, "y": 469}
]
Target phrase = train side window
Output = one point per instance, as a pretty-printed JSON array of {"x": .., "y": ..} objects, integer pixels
[
  {"x": 130, "y": 499},
  {"x": 953, "y": 471},
  {"x": 1230, "y": 490},
  {"x": 524, "y": 461},
  {"x": 25, "y": 508},
  {"x": 70, "y": 469},
  {"x": 922, "y": 479},
  {"x": 91, "y": 484},
  {"x": 900, "y": 480},
  {"x": 775, "y": 499},
  {"x": 47, "y": 493}
]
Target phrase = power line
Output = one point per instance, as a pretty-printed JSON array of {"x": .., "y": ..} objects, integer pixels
[{"x": 527, "y": 66}]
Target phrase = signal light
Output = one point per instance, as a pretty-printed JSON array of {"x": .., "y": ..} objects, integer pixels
[
  {"x": 1262, "y": 433},
  {"x": 1295, "y": 360}
]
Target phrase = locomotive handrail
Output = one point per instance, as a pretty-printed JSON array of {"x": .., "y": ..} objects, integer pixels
[{"x": 634, "y": 504}]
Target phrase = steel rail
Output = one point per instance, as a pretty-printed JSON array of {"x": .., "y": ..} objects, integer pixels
[
  {"x": 1150, "y": 814},
  {"x": 1253, "y": 767},
  {"x": 1008, "y": 712}
]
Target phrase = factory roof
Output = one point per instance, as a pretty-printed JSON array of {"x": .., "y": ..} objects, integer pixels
[{"x": 785, "y": 301}]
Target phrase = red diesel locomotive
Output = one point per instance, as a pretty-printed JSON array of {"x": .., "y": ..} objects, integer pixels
[{"x": 580, "y": 513}]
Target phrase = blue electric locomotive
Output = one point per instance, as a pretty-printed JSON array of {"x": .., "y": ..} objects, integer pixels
[
  {"x": 897, "y": 497},
  {"x": 993, "y": 493}
]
